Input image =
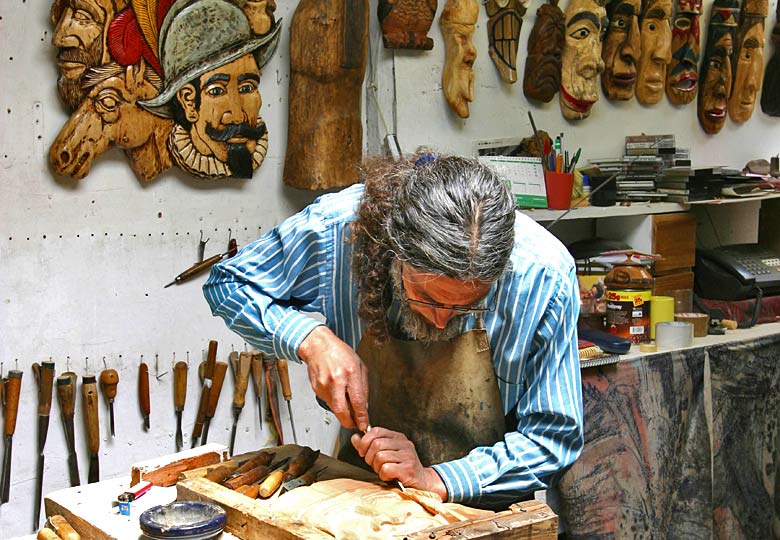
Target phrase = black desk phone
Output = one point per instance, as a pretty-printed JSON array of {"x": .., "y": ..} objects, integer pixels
[{"x": 734, "y": 272}]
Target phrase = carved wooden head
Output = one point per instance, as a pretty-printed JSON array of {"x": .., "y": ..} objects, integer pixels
[
  {"x": 748, "y": 60},
  {"x": 656, "y": 38},
  {"x": 542, "y": 77},
  {"x": 457, "y": 21},
  {"x": 585, "y": 22},
  {"x": 505, "y": 18},
  {"x": 682, "y": 75},
  {"x": 621, "y": 49},
  {"x": 770, "y": 92}
]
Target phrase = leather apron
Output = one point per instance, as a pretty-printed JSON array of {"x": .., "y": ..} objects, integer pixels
[{"x": 442, "y": 395}]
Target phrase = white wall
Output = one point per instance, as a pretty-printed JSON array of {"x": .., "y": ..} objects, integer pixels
[{"x": 82, "y": 265}]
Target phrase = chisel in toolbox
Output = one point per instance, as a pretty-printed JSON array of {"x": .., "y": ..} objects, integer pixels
[
  {"x": 143, "y": 393},
  {"x": 90, "y": 399},
  {"x": 257, "y": 379},
  {"x": 306, "y": 479},
  {"x": 12, "y": 387},
  {"x": 66, "y": 395},
  {"x": 284, "y": 378},
  {"x": 220, "y": 369},
  {"x": 241, "y": 364},
  {"x": 179, "y": 397},
  {"x": 109, "y": 379},
  {"x": 208, "y": 374},
  {"x": 44, "y": 376}
]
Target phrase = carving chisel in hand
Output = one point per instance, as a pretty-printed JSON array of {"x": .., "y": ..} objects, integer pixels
[
  {"x": 44, "y": 376},
  {"x": 220, "y": 369},
  {"x": 143, "y": 393},
  {"x": 109, "y": 378},
  {"x": 241, "y": 365},
  {"x": 284, "y": 378},
  {"x": 90, "y": 399},
  {"x": 179, "y": 397},
  {"x": 257, "y": 379},
  {"x": 66, "y": 395},
  {"x": 208, "y": 375},
  {"x": 12, "y": 387}
]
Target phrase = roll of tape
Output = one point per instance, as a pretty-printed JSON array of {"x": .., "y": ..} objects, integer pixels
[
  {"x": 700, "y": 321},
  {"x": 673, "y": 335}
]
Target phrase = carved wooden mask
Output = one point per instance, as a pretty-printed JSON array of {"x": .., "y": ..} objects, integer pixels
[
  {"x": 581, "y": 63},
  {"x": 621, "y": 49},
  {"x": 405, "y": 23},
  {"x": 748, "y": 65},
  {"x": 505, "y": 18},
  {"x": 715, "y": 82},
  {"x": 770, "y": 93},
  {"x": 656, "y": 37},
  {"x": 457, "y": 20},
  {"x": 682, "y": 75},
  {"x": 542, "y": 76}
]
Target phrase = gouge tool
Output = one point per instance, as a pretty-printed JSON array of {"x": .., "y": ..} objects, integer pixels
[
  {"x": 143, "y": 393},
  {"x": 257, "y": 380},
  {"x": 241, "y": 365},
  {"x": 12, "y": 387},
  {"x": 284, "y": 378},
  {"x": 179, "y": 397},
  {"x": 91, "y": 423},
  {"x": 109, "y": 379},
  {"x": 66, "y": 395},
  {"x": 220, "y": 369},
  {"x": 208, "y": 375},
  {"x": 44, "y": 376},
  {"x": 202, "y": 266}
]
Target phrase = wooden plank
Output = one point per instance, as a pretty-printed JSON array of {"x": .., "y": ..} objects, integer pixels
[
  {"x": 165, "y": 470},
  {"x": 665, "y": 285}
]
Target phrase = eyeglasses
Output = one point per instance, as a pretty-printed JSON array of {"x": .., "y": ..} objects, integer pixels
[{"x": 459, "y": 309}]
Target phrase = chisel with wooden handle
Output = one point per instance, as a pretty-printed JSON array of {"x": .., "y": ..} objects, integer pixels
[
  {"x": 220, "y": 369},
  {"x": 89, "y": 395},
  {"x": 306, "y": 479},
  {"x": 241, "y": 364},
  {"x": 257, "y": 379},
  {"x": 12, "y": 387},
  {"x": 143, "y": 393},
  {"x": 270, "y": 388},
  {"x": 179, "y": 397},
  {"x": 284, "y": 379},
  {"x": 208, "y": 375},
  {"x": 66, "y": 395},
  {"x": 63, "y": 528},
  {"x": 47, "y": 534},
  {"x": 273, "y": 480},
  {"x": 109, "y": 379},
  {"x": 44, "y": 376}
]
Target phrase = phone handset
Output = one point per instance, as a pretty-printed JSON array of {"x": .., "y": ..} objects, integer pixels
[{"x": 730, "y": 264}]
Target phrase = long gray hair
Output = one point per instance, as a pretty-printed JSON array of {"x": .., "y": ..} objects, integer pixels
[{"x": 442, "y": 214}]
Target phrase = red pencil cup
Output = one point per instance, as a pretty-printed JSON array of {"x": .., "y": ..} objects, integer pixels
[{"x": 559, "y": 187}]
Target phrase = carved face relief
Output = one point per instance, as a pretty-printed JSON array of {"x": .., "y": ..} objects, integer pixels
[
  {"x": 505, "y": 18},
  {"x": 682, "y": 75},
  {"x": 223, "y": 112},
  {"x": 770, "y": 92},
  {"x": 457, "y": 21},
  {"x": 748, "y": 59},
  {"x": 542, "y": 76},
  {"x": 585, "y": 21},
  {"x": 715, "y": 86},
  {"x": 260, "y": 14},
  {"x": 621, "y": 49},
  {"x": 656, "y": 34}
]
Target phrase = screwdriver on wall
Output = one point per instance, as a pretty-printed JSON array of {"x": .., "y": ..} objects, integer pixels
[
  {"x": 66, "y": 395},
  {"x": 109, "y": 379},
  {"x": 12, "y": 387},
  {"x": 284, "y": 378},
  {"x": 241, "y": 364},
  {"x": 179, "y": 397}
]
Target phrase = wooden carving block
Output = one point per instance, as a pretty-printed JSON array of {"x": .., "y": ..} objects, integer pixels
[
  {"x": 165, "y": 470},
  {"x": 674, "y": 238},
  {"x": 405, "y": 23}
]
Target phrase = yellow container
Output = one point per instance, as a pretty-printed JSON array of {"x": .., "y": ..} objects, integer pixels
[
  {"x": 628, "y": 314},
  {"x": 661, "y": 310}
]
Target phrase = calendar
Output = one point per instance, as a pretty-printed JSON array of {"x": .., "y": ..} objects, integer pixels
[{"x": 524, "y": 174}]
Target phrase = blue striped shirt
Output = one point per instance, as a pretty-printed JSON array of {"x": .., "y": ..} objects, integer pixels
[{"x": 303, "y": 265}]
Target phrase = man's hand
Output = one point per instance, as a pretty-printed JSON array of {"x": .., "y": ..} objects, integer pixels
[
  {"x": 393, "y": 457},
  {"x": 337, "y": 376}
]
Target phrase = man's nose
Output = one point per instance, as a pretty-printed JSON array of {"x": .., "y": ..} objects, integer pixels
[
  {"x": 234, "y": 112},
  {"x": 64, "y": 36}
]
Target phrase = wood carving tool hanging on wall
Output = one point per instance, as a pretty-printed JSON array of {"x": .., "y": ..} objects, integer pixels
[
  {"x": 505, "y": 19},
  {"x": 208, "y": 375},
  {"x": 179, "y": 397},
  {"x": 270, "y": 387},
  {"x": 200, "y": 267},
  {"x": 91, "y": 425},
  {"x": 44, "y": 377},
  {"x": 220, "y": 369},
  {"x": 13, "y": 386},
  {"x": 748, "y": 64},
  {"x": 66, "y": 396},
  {"x": 284, "y": 380},
  {"x": 241, "y": 365},
  {"x": 143, "y": 393},
  {"x": 405, "y": 23},
  {"x": 328, "y": 46},
  {"x": 257, "y": 379},
  {"x": 457, "y": 21},
  {"x": 109, "y": 379},
  {"x": 715, "y": 80},
  {"x": 542, "y": 77},
  {"x": 770, "y": 92},
  {"x": 682, "y": 75}
]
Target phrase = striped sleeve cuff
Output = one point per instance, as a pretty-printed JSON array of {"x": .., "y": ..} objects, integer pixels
[
  {"x": 461, "y": 480},
  {"x": 290, "y": 333}
]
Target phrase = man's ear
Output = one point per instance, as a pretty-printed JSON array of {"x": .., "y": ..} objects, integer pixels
[{"x": 186, "y": 97}]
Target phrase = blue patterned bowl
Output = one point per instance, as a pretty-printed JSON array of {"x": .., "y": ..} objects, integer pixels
[{"x": 183, "y": 520}]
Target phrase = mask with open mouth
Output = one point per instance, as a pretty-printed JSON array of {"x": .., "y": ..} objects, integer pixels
[{"x": 682, "y": 74}]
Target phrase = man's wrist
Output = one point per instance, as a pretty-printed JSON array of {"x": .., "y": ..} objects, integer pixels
[
  {"x": 435, "y": 483},
  {"x": 313, "y": 342}
]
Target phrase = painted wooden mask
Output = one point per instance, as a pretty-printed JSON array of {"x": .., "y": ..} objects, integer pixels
[
  {"x": 542, "y": 76},
  {"x": 682, "y": 75},
  {"x": 621, "y": 49},
  {"x": 715, "y": 85},
  {"x": 505, "y": 18},
  {"x": 748, "y": 59},
  {"x": 656, "y": 38},
  {"x": 770, "y": 93},
  {"x": 581, "y": 63},
  {"x": 457, "y": 21}
]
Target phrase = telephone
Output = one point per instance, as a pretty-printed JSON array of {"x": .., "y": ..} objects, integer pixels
[{"x": 736, "y": 272}]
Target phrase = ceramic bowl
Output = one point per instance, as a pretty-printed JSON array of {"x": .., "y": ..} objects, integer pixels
[{"x": 183, "y": 520}]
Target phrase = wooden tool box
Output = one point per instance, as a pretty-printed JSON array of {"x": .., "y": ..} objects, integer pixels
[{"x": 257, "y": 519}]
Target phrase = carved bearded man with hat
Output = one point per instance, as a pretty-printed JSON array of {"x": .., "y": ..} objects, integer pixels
[{"x": 211, "y": 63}]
